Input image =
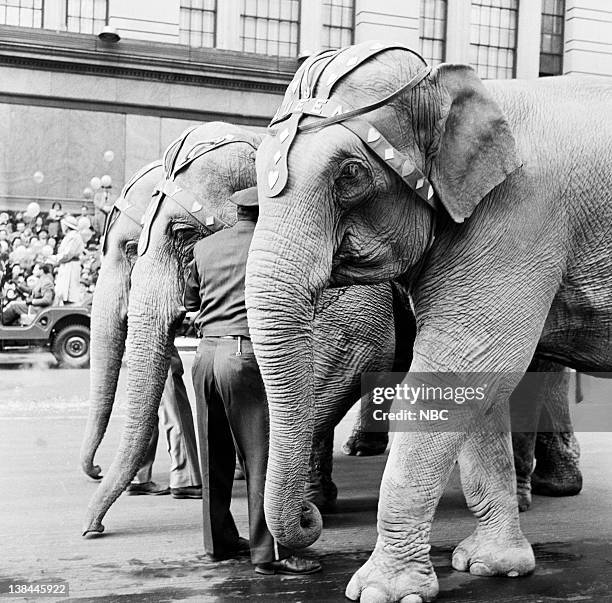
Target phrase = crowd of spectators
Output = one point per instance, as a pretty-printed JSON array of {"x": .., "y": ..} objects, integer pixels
[{"x": 31, "y": 239}]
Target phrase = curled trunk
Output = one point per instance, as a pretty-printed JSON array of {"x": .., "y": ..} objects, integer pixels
[
  {"x": 281, "y": 311},
  {"x": 108, "y": 333}
]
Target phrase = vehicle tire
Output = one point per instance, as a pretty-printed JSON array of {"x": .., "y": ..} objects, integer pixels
[{"x": 71, "y": 346}]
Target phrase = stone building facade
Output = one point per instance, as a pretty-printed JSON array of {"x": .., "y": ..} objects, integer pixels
[{"x": 67, "y": 97}]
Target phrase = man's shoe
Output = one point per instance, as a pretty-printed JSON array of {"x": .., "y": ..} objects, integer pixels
[
  {"x": 241, "y": 548},
  {"x": 291, "y": 566},
  {"x": 187, "y": 492},
  {"x": 148, "y": 488}
]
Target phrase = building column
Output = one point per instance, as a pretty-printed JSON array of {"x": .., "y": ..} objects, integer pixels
[
  {"x": 458, "y": 19},
  {"x": 311, "y": 27},
  {"x": 228, "y": 25},
  {"x": 54, "y": 15},
  {"x": 587, "y": 47},
  {"x": 527, "y": 64},
  {"x": 388, "y": 21}
]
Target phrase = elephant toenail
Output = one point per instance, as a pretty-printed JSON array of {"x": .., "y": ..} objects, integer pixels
[{"x": 513, "y": 574}]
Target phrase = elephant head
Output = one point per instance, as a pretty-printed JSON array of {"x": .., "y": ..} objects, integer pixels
[
  {"x": 353, "y": 183},
  {"x": 202, "y": 169},
  {"x": 110, "y": 304}
]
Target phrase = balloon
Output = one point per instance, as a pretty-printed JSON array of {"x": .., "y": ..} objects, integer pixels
[
  {"x": 38, "y": 177},
  {"x": 108, "y": 156},
  {"x": 88, "y": 192},
  {"x": 86, "y": 235},
  {"x": 32, "y": 210},
  {"x": 83, "y": 223},
  {"x": 106, "y": 181},
  {"x": 95, "y": 183},
  {"x": 46, "y": 250}
]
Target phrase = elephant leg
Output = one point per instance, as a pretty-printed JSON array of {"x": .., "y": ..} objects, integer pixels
[
  {"x": 557, "y": 451},
  {"x": 497, "y": 546},
  {"x": 523, "y": 446},
  {"x": 367, "y": 438},
  {"x": 526, "y": 404},
  {"x": 320, "y": 489},
  {"x": 416, "y": 473}
]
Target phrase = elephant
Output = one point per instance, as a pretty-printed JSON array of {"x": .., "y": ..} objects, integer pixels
[
  {"x": 109, "y": 307},
  {"x": 491, "y": 203},
  {"x": 203, "y": 168}
]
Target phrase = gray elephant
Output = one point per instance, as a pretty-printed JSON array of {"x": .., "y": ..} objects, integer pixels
[
  {"x": 207, "y": 165},
  {"x": 109, "y": 308},
  {"x": 492, "y": 202}
]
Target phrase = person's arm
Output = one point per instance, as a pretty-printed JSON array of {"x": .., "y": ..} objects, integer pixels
[
  {"x": 24, "y": 288},
  {"x": 48, "y": 293},
  {"x": 191, "y": 298}
]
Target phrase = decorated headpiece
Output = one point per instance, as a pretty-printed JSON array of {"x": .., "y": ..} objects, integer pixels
[
  {"x": 183, "y": 197},
  {"x": 123, "y": 206},
  {"x": 322, "y": 72}
]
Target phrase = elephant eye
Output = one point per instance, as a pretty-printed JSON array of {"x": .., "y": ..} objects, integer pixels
[
  {"x": 354, "y": 183},
  {"x": 131, "y": 248},
  {"x": 184, "y": 236}
]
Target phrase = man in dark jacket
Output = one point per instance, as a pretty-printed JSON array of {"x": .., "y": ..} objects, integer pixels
[
  {"x": 231, "y": 398},
  {"x": 39, "y": 297}
]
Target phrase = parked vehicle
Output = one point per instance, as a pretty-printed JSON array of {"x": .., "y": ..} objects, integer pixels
[{"x": 63, "y": 330}]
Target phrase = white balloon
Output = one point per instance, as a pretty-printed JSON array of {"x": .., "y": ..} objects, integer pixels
[
  {"x": 95, "y": 183},
  {"x": 106, "y": 181},
  {"x": 38, "y": 177},
  {"x": 108, "y": 156},
  {"x": 32, "y": 210}
]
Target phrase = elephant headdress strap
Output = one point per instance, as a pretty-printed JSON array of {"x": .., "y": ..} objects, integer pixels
[
  {"x": 188, "y": 200},
  {"x": 123, "y": 206},
  {"x": 323, "y": 71}
]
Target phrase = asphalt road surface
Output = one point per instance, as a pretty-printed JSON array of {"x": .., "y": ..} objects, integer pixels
[{"x": 152, "y": 547}]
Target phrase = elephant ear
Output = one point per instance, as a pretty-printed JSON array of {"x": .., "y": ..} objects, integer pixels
[{"x": 476, "y": 148}]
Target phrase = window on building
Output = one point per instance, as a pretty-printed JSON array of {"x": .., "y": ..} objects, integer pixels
[
  {"x": 26, "y": 13},
  {"x": 551, "y": 37},
  {"x": 86, "y": 16},
  {"x": 493, "y": 37},
  {"x": 432, "y": 30},
  {"x": 197, "y": 23},
  {"x": 270, "y": 26},
  {"x": 338, "y": 23}
]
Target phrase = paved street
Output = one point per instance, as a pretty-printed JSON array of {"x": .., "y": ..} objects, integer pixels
[{"x": 152, "y": 550}]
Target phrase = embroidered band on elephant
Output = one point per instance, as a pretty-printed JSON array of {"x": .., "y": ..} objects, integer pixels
[
  {"x": 348, "y": 342},
  {"x": 519, "y": 266}
]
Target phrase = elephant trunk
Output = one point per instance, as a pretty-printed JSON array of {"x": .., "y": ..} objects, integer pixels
[
  {"x": 281, "y": 312},
  {"x": 108, "y": 333},
  {"x": 153, "y": 310}
]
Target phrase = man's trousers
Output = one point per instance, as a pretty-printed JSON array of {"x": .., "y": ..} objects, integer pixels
[
  {"x": 177, "y": 423},
  {"x": 232, "y": 418}
]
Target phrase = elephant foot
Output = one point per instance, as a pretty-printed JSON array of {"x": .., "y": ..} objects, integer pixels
[
  {"x": 494, "y": 553},
  {"x": 364, "y": 443},
  {"x": 557, "y": 471},
  {"x": 385, "y": 579},
  {"x": 523, "y": 493},
  {"x": 557, "y": 485}
]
